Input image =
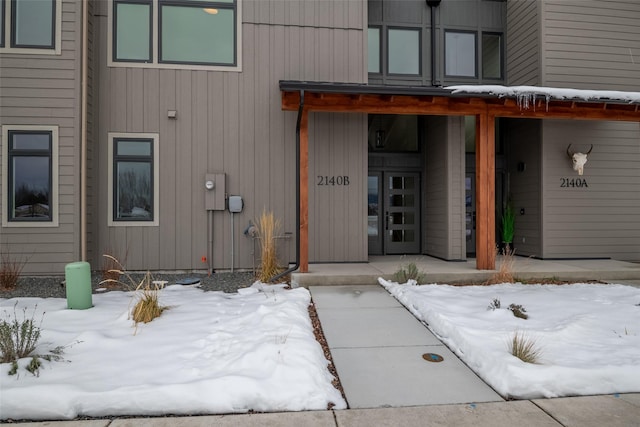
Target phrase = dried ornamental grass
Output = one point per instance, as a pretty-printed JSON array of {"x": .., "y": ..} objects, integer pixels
[
  {"x": 147, "y": 307},
  {"x": 268, "y": 227},
  {"x": 505, "y": 271},
  {"x": 524, "y": 348}
]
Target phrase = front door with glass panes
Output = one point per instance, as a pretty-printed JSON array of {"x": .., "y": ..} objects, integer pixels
[{"x": 394, "y": 212}]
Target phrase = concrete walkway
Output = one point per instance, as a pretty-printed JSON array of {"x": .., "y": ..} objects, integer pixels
[
  {"x": 589, "y": 411},
  {"x": 378, "y": 346}
]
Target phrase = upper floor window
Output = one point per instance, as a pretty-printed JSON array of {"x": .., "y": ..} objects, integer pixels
[
  {"x": 175, "y": 33},
  {"x": 374, "y": 50},
  {"x": 30, "y": 26},
  {"x": 403, "y": 45},
  {"x": 492, "y": 55},
  {"x": 30, "y": 175},
  {"x": 460, "y": 54}
]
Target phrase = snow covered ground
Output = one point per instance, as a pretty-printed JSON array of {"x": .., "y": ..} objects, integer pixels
[
  {"x": 589, "y": 334},
  {"x": 210, "y": 352}
]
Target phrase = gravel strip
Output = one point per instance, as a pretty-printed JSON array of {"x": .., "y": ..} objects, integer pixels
[{"x": 53, "y": 287}]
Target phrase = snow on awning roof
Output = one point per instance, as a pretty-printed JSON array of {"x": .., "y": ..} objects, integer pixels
[{"x": 525, "y": 94}]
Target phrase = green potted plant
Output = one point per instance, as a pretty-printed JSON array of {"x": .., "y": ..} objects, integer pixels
[{"x": 508, "y": 226}]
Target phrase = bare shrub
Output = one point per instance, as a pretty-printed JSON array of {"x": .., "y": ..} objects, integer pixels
[
  {"x": 18, "y": 338},
  {"x": 10, "y": 270},
  {"x": 408, "y": 272}
]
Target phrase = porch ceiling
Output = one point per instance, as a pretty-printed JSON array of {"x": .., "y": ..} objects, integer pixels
[{"x": 365, "y": 98}]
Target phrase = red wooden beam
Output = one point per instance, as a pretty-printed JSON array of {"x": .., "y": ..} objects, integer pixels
[
  {"x": 485, "y": 192},
  {"x": 304, "y": 192}
]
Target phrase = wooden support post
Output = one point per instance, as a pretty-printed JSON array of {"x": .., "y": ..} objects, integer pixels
[
  {"x": 485, "y": 192},
  {"x": 304, "y": 192}
]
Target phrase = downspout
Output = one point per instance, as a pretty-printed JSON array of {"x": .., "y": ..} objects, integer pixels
[
  {"x": 297, "y": 263},
  {"x": 83, "y": 132},
  {"x": 433, "y": 4}
]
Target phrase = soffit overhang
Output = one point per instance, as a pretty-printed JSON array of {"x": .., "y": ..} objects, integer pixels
[{"x": 497, "y": 101}]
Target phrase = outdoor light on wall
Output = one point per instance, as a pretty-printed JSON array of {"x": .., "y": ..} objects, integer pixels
[
  {"x": 211, "y": 10},
  {"x": 380, "y": 139}
]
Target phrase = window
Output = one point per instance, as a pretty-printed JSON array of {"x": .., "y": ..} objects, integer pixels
[
  {"x": 30, "y": 170},
  {"x": 374, "y": 50},
  {"x": 404, "y": 51},
  {"x": 492, "y": 55},
  {"x": 2, "y": 9},
  {"x": 460, "y": 54},
  {"x": 191, "y": 33},
  {"x": 133, "y": 177},
  {"x": 132, "y": 23},
  {"x": 30, "y": 26}
]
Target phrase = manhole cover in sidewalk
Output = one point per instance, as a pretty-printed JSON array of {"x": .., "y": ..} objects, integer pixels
[{"x": 432, "y": 357}]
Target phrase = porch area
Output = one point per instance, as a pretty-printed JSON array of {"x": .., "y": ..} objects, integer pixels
[{"x": 465, "y": 272}]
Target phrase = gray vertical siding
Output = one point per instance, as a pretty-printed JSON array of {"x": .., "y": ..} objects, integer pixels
[
  {"x": 232, "y": 122},
  {"x": 524, "y": 187},
  {"x": 45, "y": 90},
  {"x": 443, "y": 219},
  {"x": 338, "y": 213},
  {"x": 591, "y": 44},
  {"x": 456, "y": 190},
  {"x": 600, "y": 220},
  {"x": 523, "y": 42}
]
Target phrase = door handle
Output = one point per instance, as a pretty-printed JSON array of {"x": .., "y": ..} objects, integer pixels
[{"x": 386, "y": 220}]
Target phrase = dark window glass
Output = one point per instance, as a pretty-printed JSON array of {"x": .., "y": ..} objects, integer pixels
[
  {"x": 33, "y": 23},
  {"x": 133, "y": 180},
  {"x": 491, "y": 56},
  {"x": 2, "y": 7},
  {"x": 30, "y": 175}
]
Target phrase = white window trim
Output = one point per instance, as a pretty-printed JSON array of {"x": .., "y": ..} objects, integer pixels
[
  {"x": 155, "y": 63},
  {"x": 57, "y": 47},
  {"x": 54, "y": 177},
  {"x": 156, "y": 180}
]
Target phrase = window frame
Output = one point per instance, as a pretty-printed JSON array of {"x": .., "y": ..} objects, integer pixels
[
  {"x": 112, "y": 221},
  {"x": 420, "y": 56},
  {"x": 3, "y": 22},
  {"x": 380, "y": 55},
  {"x": 501, "y": 50},
  {"x": 7, "y": 183},
  {"x": 115, "y": 22},
  {"x": 476, "y": 57},
  {"x": 156, "y": 36},
  {"x": 7, "y": 38}
]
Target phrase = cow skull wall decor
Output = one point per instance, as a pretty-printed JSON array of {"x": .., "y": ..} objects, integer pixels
[{"x": 579, "y": 159}]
